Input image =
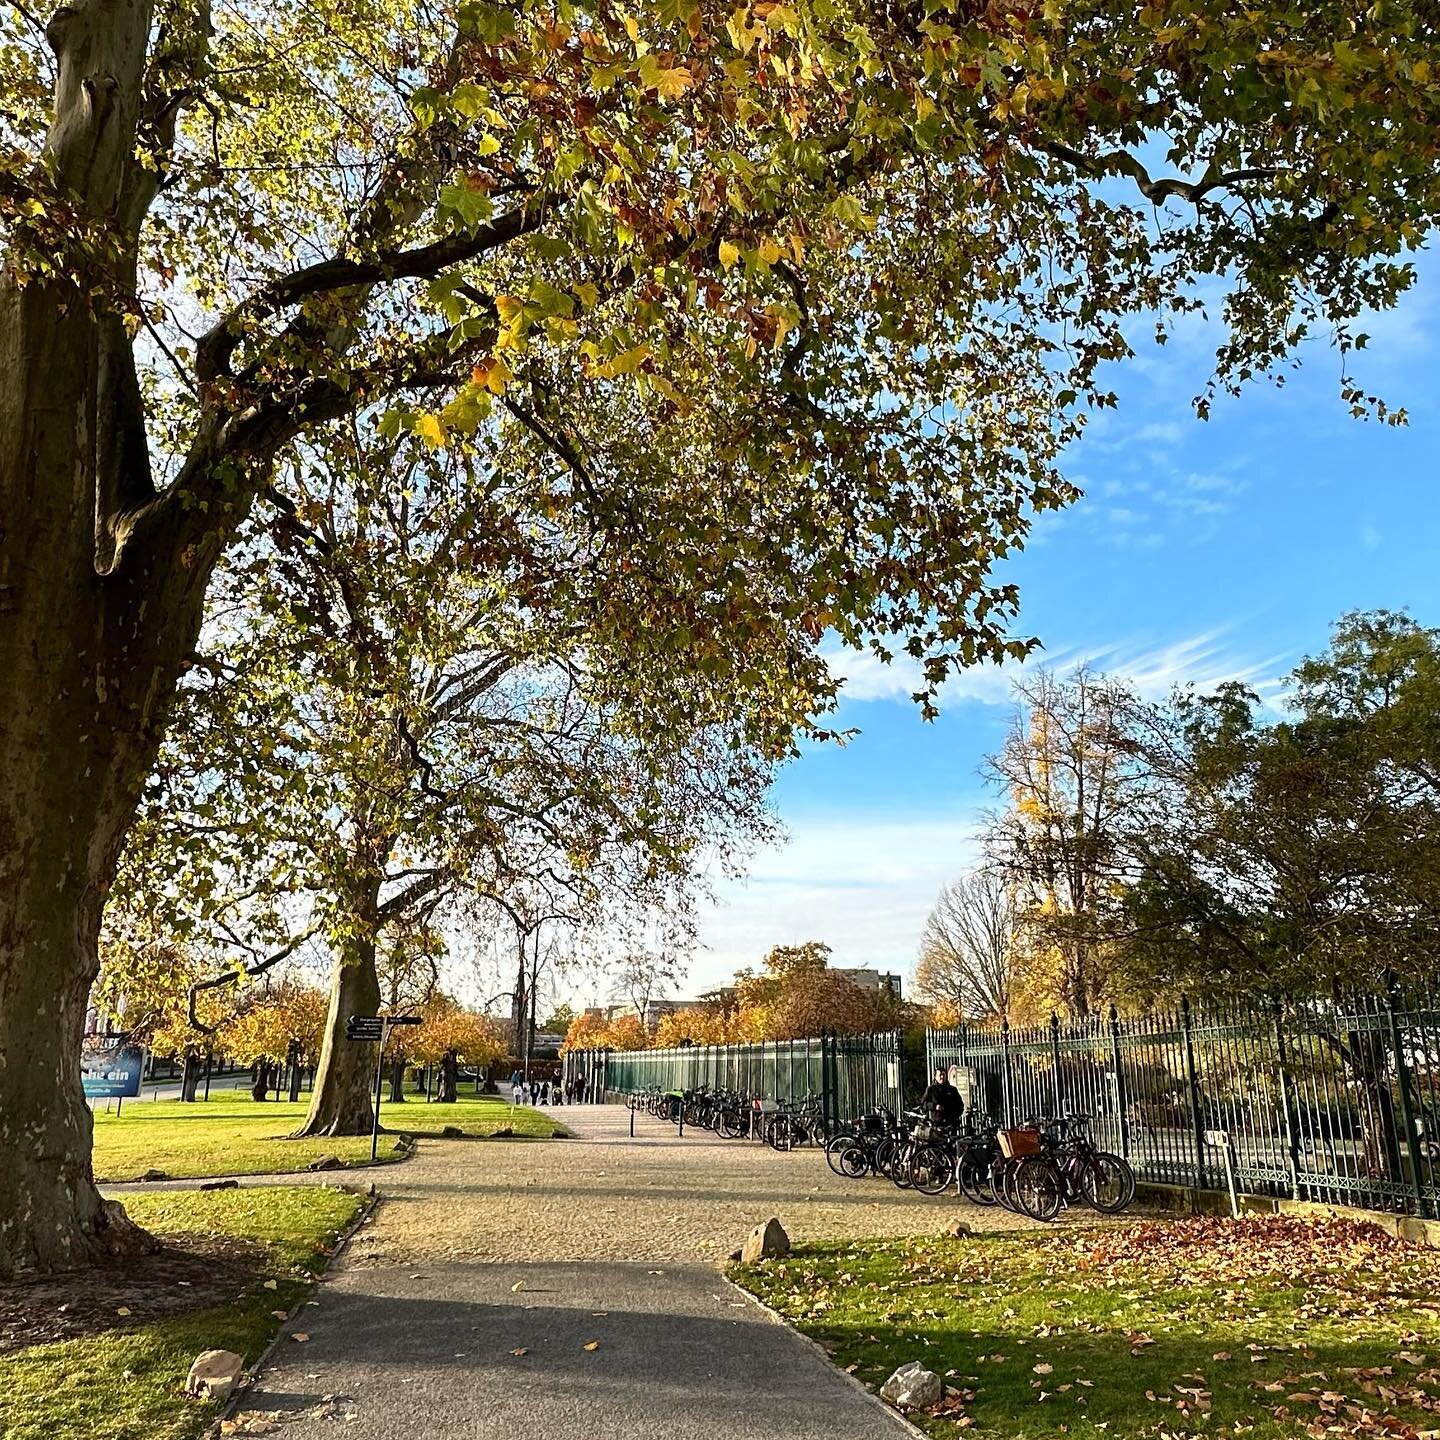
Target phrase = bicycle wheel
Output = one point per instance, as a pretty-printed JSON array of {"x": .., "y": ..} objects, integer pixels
[
  {"x": 1108, "y": 1182},
  {"x": 1038, "y": 1188},
  {"x": 971, "y": 1173},
  {"x": 836, "y": 1147},
  {"x": 730, "y": 1124},
  {"x": 780, "y": 1135},
  {"x": 932, "y": 1168},
  {"x": 897, "y": 1168},
  {"x": 1005, "y": 1186}
]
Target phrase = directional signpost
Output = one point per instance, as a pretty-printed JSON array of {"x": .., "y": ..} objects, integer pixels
[{"x": 375, "y": 1030}]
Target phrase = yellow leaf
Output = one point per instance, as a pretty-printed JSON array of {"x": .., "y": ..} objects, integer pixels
[
  {"x": 626, "y": 362},
  {"x": 673, "y": 82},
  {"x": 430, "y": 430},
  {"x": 770, "y": 252},
  {"x": 729, "y": 253},
  {"x": 592, "y": 1344}
]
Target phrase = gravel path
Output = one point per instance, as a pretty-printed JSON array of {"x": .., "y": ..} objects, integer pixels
[
  {"x": 603, "y": 1196},
  {"x": 568, "y": 1288}
]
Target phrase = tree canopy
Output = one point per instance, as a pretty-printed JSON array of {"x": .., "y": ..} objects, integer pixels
[{"x": 787, "y": 309}]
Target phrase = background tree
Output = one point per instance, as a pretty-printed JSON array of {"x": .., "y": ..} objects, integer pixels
[
  {"x": 794, "y": 412},
  {"x": 449, "y": 1036},
  {"x": 1290, "y": 854},
  {"x": 1067, "y": 770},
  {"x": 559, "y": 1020},
  {"x": 969, "y": 951},
  {"x": 797, "y": 995},
  {"x": 709, "y": 1025},
  {"x": 425, "y": 736},
  {"x": 587, "y": 1031},
  {"x": 276, "y": 1026}
]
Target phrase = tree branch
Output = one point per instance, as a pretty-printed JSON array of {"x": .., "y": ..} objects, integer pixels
[{"x": 231, "y": 977}]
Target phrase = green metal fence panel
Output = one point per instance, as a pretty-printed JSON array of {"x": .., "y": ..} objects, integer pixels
[
  {"x": 1335, "y": 1100},
  {"x": 848, "y": 1074}
]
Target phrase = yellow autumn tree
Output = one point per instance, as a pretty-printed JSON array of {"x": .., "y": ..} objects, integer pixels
[
  {"x": 710, "y": 1026},
  {"x": 449, "y": 1035}
]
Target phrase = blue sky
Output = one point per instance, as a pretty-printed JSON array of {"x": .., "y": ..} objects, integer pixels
[{"x": 1202, "y": 551}]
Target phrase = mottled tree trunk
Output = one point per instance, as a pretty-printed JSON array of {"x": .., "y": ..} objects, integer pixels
[
  {"x": 97, "y": 617},
  {"x": 190, "y": 1075},
  {"x": 84, "y": 686},
  {"x": 340, "y": 1103},
  {"x": 447, "y": 1089}
]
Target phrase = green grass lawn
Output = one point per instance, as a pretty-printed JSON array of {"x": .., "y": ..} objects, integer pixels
[
  {"x": 475, "y": 1115},
  {"x": 128, "y": 1381},
  {"x": 1265, "y": 1327},
  {"x": 234, "y": 1135}
]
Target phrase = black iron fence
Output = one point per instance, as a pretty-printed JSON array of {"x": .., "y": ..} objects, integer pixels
[
  {"x": 848, "y": 1073},
  {"x": 1330, "y": 1100}
]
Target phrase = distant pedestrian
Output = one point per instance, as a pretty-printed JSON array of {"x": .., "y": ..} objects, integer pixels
[
  {"x": 579, "y": 1089},
  {"x": 544, "y": 1092},
  {"x": 516, "y": 1089}
]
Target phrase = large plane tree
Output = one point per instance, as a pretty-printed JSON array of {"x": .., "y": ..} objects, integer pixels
[{"x": 801, "y": 298}]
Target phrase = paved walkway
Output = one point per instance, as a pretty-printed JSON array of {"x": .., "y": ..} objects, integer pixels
[{"x": 568, "y": 1288}]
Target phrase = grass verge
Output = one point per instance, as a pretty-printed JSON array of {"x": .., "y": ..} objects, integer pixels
[
  {"x": 475, "y": 1115},
  {"x": 128, "y": 1381},
  {"x": 234, "y": 1135},
  {"x": 1259, "y": 1328}
]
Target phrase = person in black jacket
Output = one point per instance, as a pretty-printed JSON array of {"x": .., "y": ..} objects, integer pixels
[{"x": 942, "y": 1102}]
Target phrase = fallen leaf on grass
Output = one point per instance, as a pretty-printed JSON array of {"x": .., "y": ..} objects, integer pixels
[
  {"x": 122, "y": 1309},
  {"x": 1042, "y": 1369},
  {"x": 281, "y": 1314},
  {"x": 520, "y": 1350}
]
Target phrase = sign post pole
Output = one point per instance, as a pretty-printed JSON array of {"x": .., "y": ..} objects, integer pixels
[
  {"x": 379, "y": 1066},
  {"x": 375, "y": 1029}
]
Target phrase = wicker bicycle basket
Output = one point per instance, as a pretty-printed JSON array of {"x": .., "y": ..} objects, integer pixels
[{"x": 1015, "y": 1144}]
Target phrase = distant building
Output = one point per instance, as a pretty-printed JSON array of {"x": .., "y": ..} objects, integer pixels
[{"x": 868, "y": 979}]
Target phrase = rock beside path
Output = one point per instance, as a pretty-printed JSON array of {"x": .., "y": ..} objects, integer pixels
[
  {"x": 913, "y": 1387},
  {"x": 214, "y": 1375},
  {"x": 765, "y": 1242}
]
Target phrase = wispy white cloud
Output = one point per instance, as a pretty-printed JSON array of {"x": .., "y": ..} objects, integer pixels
[{"x": 1204, "y": 660}]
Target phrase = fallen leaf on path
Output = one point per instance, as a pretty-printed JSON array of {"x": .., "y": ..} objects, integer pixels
[
  {"x": 301, "y": 1336},
  {"x": 517, "y": 1287},
  {"x": 122, "y": 1309},
  {"x": 592, "y": 1345},
  {"x": 519, "y": 1350},
  {"x": 281, "y": 1314}
]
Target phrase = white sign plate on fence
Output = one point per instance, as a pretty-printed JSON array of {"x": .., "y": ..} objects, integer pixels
[{"x": 892, "y": 1074}]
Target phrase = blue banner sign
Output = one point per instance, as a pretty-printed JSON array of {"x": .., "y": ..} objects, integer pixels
[{"x": 112, "y": 1073}]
